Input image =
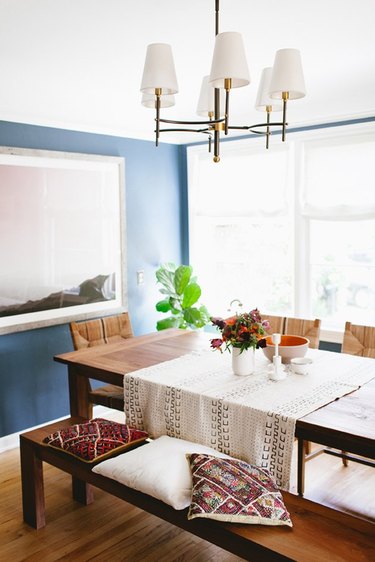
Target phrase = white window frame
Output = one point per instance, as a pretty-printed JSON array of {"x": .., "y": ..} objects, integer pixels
[{"x": 297, "y": 142}]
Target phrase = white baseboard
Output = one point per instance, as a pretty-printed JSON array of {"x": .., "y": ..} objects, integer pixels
[{"x": 12, "y": 441}]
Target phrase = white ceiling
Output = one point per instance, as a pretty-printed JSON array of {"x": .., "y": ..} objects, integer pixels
[{"x": 77, "y": 64}]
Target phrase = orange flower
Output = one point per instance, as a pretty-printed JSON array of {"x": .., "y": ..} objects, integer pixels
[{"x": 241, "y": 331}]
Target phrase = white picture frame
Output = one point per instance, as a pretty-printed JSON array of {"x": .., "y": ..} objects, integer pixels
[{"x": 62, "y": 237}]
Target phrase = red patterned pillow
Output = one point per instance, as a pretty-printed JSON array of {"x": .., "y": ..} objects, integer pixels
[
  {"x": 232, "y": 490},
  {"x": 96, "y": 439}
]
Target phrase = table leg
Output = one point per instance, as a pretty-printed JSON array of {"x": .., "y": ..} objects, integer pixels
[
  {"x": 301, "y": 467},
  {"x": 32, "y": 486},
  {"x": 79, "y": 387}
]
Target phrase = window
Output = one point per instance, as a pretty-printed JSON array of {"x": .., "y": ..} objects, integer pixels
[{"x": 290, "y": 230}]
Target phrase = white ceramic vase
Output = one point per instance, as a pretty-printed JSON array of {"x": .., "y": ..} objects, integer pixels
[{"x": 243, "y": 363}]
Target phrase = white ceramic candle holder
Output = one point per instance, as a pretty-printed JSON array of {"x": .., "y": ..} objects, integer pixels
[
  {"x": 276, "y": 339},
  {"x": 276, "y": 371}
]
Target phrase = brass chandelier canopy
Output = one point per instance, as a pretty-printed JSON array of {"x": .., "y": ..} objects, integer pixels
[{"x": 279, "y": 84}]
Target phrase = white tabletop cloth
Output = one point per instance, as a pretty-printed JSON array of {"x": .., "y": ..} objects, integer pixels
[{"x": 197, "y": 397}]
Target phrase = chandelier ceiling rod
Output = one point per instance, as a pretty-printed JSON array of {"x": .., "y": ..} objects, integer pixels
[{"x": 283, "y": 82}]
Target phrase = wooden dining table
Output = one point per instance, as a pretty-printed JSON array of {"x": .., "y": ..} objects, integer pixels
[{"x": 348, "y": 423}]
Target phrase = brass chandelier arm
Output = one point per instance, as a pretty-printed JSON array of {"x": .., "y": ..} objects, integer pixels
[
  {"x": 215, "y": 130},
  {"x": 217, "y": 108},
  {"x": 285, "y": 96},
  {"x": 209, "y": 129},
  {"x": 210, "y": 122},
  {"x": 206, "y": 131},
  {"x": 249, "y": 127},
  {"x": 267, "y": 125},
  {"x": 228, "y": 85},
  {"x": 158, "y": 93}
]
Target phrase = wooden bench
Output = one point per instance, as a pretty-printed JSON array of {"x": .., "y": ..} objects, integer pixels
[{"x": 318, "y": 533}]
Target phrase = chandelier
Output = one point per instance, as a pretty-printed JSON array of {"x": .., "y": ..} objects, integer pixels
[{"x": 279, "y": 84}]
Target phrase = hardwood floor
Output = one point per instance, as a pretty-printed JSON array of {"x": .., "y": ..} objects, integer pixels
[
  {"x": 109, "y": 530},
  {"x": 350, "y": 489}
]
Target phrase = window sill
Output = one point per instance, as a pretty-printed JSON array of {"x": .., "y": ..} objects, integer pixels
[{"x": 331, "y": 336}]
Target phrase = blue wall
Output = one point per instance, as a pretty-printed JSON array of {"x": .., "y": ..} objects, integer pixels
[{"x": 34, "y": 388}]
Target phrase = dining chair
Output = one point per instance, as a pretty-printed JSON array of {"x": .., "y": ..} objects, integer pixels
[
  {"x": 309, "y": 329},
  {"x": 276, "y": 323},
  {"x": 301, "y": 327},
  {"x": 359, "y": 340},
  {"x": 298, "y": 327},
  {"x": 109, "y": 329}
]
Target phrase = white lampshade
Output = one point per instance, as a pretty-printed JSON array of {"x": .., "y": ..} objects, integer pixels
[
  {"x": 159, "y": 70},
  {"x": 149, "y": 100},
  {"x": 206, "y": 102},
  {"x": 263, "y": 100},
  {"x": 229, "y": 61},
  {"x": 287, "y": 75}
]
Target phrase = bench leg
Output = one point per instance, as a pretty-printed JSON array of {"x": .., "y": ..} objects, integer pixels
[
  {"x": 301, "y": 467},
  {"x": 82, "y": 492},
  {"x": 32, "y": 486}
]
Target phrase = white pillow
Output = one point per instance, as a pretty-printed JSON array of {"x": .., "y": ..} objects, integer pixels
[{"x": 159, "y": 469}]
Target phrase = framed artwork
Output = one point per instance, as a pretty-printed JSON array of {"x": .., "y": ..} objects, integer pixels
[{"x": 62, "y": 237}]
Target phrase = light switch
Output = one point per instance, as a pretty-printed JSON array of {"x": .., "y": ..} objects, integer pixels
[{"x": 140, "y": 277}]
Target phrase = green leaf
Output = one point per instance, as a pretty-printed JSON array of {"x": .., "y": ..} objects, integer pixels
[
  {"x": 163, "y": 306},
  {"x": 169, "y": 266},
  {"x": 167, "y": 280},
  {"x": 166, "y": 292},
  {"x": 166, "y": 323},
  {"x": 191, "y": 295},
  {"x": 165, "y": 276},
  {"x": 192, "y": 316},
  {"x": 175, "y": 305},
  {"x": 206, "y": 316},
  {"x": 180, "y": 292},
  {"x": 181, "y": 278}
]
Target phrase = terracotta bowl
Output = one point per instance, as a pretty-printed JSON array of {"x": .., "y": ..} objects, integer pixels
[{"x": 289, "y": 347}]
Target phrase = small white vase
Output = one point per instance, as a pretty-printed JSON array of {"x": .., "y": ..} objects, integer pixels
[{"x": 243, "y": 363}]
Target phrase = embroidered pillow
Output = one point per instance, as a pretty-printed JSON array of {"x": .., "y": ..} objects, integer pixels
[
  {"x": 160, "y": 469},
  {"x": 232, "y": 490},
  {"x": 96, "y": 439}
]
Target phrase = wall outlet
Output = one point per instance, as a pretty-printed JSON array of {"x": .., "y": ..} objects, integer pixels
[{"x": 140, "y": 277}]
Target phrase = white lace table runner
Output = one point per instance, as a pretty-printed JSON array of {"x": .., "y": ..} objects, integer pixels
[{"x": 196, "y": 397}]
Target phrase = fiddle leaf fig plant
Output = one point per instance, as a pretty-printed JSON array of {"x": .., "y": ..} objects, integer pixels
[{"x": 181, "y": 295}]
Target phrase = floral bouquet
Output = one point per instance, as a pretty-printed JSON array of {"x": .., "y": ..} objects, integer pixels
[{"x": 243, "y": 331}]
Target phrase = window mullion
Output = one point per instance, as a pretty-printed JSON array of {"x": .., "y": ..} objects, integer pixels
[{"x": 302, "y": 285}]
